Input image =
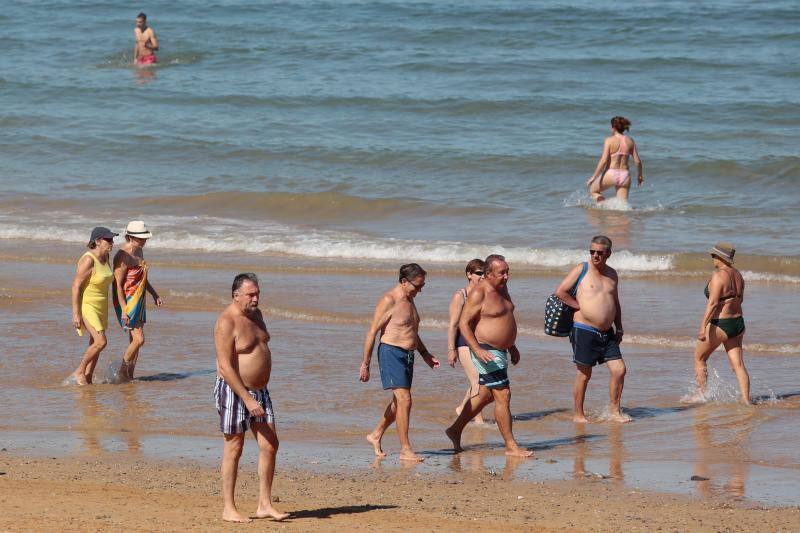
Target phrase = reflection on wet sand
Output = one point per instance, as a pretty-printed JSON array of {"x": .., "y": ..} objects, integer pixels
[
  {"x": 111, "y": 418},
  {"x": 616, "y": 450},
  {"x": 724, "y": 440}
]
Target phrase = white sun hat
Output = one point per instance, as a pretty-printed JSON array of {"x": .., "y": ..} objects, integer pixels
[{"x": 137, "y": 228}]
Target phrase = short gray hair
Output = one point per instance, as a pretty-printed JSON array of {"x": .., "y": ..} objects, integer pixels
[
  {"x": 602, "y": 239},
  {"x": 411, "y": 271},
  {"x": 490, "y": 260},
  {"x": 239, "y": 280}
]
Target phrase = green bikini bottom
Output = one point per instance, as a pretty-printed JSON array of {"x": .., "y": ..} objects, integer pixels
[{"x": 733, "y": 327}]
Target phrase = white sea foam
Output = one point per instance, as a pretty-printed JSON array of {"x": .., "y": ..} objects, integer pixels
[
  {"x": 749, "y": 275},
  {"x": 226, "y": 235},
  {"x": 582, "y": 198}
]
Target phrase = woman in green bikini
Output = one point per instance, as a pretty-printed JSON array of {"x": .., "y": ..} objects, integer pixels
[{"x": 722, "y": 322}]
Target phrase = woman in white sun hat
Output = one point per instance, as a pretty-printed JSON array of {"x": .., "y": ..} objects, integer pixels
[{"x": 130, "y": 285}]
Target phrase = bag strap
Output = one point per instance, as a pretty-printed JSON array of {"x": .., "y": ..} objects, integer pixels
[{"x": 580, "y": 278}]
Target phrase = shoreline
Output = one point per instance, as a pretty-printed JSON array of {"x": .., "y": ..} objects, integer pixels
[{"x": 118, "y": 493}]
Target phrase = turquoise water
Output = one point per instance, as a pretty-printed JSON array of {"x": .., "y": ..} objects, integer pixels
[{"x": 497, "y": 106}]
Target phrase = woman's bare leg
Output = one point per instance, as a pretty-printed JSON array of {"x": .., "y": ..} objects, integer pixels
[
  {"x": 736, "y": 357},
  {"x": 465, "y": 359}
]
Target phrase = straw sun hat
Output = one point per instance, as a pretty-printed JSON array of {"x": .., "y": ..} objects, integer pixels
[
  {"x": 137, "y": 228},
  {"x": 724, "y": 251}
]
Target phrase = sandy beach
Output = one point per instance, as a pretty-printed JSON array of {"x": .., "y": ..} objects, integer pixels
[{"x": 115, "y": 494}]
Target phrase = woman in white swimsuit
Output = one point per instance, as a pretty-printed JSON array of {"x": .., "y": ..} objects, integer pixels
[{"x": 612, "y": 169}]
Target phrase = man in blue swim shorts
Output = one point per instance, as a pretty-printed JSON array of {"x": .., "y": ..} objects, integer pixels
[
  {"x": 488, "y": 325},
  {"x": 397, "y": 320},
  {"x": 593, "y": 340}
]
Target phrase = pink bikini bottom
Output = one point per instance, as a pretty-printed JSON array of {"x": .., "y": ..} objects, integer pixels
[{"x": 622, "y": 176}]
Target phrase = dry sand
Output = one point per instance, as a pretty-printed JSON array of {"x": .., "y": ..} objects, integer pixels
[{"x": 112, "y": 494}]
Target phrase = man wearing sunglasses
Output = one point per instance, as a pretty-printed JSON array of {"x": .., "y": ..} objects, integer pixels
[
  {"x": 593, "y": 340},
  {"x": 397, "y": 320},
  {"x": 490, "y": 330}
]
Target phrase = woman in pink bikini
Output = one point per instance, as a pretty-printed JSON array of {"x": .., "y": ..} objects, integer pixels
[{"x": 612, "y": 169}]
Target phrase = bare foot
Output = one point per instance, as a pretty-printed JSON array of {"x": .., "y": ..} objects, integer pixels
[
  {"x": 697, "y": 397},
  {"x": 580, "y": 419},
  {"x": 516, "y": 451},
  {"x": 80, "y": 379},
  {"x": 455, "y": 439},
  {"x": 376, "y": 445},
  {"x": 620, "y": 417},
  {"x": 232, "y": 515},
  {"x": 409, "y": 455},
  {"x": 270, "y": 512}
]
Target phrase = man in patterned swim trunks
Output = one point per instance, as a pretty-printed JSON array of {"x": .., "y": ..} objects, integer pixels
[
  {"x": 244, "y": 364},
  {"x": 490, "y": 329}
]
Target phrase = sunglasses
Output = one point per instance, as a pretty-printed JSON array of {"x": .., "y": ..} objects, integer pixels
[
  {"x": 109, "y": 241},
  {"x": 597, "y": 252},
  {"x": 477, "y": 273},
  {"x": 417, "y": 287}
]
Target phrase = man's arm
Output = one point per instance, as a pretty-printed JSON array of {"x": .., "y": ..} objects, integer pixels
[
  {"x": 469, "y": 317},
  {"x": 563, "y": 290},
  {"x": 381, "y": 316},
  {"x": 225, "y": 344},
  {"x": 618, "y": 318},
  {"x": 152, "y": 44},
  {"x": 429, "y": 359},
  {"x": 135, "y": 44},
  {"x": 120, "y": 271}
]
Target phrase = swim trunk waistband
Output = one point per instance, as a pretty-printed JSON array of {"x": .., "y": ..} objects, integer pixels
[
  {"x": 591, "y": 346},
  {"x": 234, "y": 417},
  {"x": 147, "y": 60}
]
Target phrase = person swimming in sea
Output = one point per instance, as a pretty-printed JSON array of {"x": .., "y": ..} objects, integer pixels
[
  {"x": 612, "y": 168},
  {"x": 146, "y": 42}
]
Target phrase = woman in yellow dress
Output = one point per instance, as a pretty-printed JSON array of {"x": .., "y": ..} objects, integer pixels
[{"x": 90, "y": 299}]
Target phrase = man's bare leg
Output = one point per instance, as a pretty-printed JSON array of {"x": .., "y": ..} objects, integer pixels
[
  {"x": 736, "y": 357},
  {"x": 582, "y": 377},
  {"x": 403, "y": 417},
  {"x": 136, "y": 341},
  {"x": 231, "y": 452},
  {"x": 267, "y": 439},
  {"x": 502, "y": 415},
  {"x": 615, "y": 385},
  {"x": 473, "y": 406},
  {"x": 386, "y": 420}
]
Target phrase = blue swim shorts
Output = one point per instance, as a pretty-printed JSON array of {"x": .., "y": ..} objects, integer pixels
[
  {"x": 397, "y": 366},
  {"x": 591, "y": 346},
  {"x": 492, "y": 374}
]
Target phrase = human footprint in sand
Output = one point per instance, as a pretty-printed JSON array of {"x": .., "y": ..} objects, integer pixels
[
  {"x": 397, "y": 320},
  {"x": 488, "y": 325},
  {"x": 612, "y": 169},
  {"x": 593, "y": 340},
  {"x": 244, "y": 364}
]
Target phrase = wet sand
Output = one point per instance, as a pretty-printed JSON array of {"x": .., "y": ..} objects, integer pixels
[{"x": 69, "y": 494}]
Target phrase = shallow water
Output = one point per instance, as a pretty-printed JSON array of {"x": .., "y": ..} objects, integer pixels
[{"x": 321, "y": 144}]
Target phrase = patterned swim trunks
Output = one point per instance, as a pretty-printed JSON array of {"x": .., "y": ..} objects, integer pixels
[{"x": 233, "y": 414}]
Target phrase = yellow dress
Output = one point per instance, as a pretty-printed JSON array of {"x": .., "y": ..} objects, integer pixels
[{"x": 94, "y": 297}]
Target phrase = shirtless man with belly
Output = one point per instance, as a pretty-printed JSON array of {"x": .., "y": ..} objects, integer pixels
[
  {"x": 397, "y": 320},
  {"x": 146, "y": 42},
  {"x": 594, "y": 342},
  {"x": 244, "y": 364},
  {"x": 488, "y": 325}
]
